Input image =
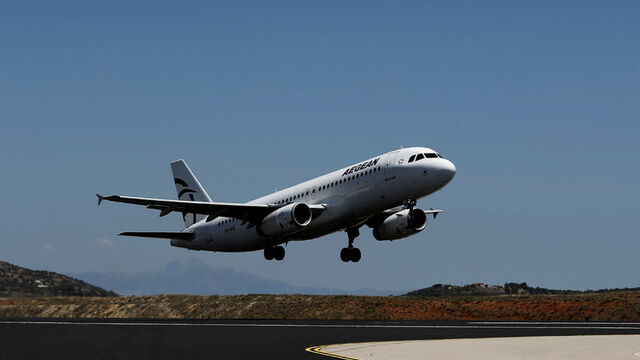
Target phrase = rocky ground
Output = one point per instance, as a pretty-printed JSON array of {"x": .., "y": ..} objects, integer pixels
[{"x": 619, "y": 306}]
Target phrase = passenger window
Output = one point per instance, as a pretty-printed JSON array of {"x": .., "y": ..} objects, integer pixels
[
  {"x": 413, "y": 157},
  {"x": 419, "y": 157}
]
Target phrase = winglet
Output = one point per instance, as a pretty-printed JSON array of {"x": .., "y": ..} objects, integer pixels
[{"x": 100, "y": 198}]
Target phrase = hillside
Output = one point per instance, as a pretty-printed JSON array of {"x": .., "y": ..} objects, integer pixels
[
  {"x": 480, "y": 289},
  {"x": 620, "y": 306},
  {"x": 16, "y": 281}
]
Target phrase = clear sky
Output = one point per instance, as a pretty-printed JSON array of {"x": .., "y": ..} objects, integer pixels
[{"x": 537, "y": 104}]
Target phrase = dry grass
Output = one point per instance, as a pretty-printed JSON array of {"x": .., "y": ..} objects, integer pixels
[{"x": 621, "y": 306}]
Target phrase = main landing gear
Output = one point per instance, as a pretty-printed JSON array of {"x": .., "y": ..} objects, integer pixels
[
  {"x": 274, "y": 252},
  {"x": 351, "y": 253}
]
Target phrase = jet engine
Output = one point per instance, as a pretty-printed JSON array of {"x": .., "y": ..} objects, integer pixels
[
  {"x": 402, "y": 224},
  {"x": 286, "y": 220}
]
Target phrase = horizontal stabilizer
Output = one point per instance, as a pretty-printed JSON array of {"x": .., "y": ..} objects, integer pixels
[{"x": 160, "y": 235}]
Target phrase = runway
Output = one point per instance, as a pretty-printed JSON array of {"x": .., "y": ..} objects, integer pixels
[{"x": 247, "y": 339}]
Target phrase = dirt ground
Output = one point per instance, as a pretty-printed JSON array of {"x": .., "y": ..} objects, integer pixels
[{"x": 621, "y": 306}]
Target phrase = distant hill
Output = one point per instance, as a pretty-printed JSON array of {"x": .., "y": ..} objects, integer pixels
[
  {"x": 16, "y": 281},
  {"x": 480, "y": 289},
  {"x": 198, "y": 278}
]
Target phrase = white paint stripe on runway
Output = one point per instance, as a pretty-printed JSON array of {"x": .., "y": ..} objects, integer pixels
[
  {"x": 552, "y": 322},
  {"x": 372, "y": 326}
]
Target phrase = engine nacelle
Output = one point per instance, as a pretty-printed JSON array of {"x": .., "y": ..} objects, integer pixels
[
  {"x": 402, "y": 224},
  {"x": 286, "y": 220}
]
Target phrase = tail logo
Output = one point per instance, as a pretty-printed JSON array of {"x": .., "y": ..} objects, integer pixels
[{"x": 184, "y": 191}]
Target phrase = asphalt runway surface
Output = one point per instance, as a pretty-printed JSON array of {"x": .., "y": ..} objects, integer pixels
[{"x": 247, "y": 339}]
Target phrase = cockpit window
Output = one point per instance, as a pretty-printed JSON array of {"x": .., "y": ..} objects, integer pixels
[
  {"x": 430, "y": 155},
  {"x": 413, "y": 157},
  {"x": 419, "y": 157}
]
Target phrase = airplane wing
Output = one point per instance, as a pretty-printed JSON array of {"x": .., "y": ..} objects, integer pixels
[
  {"x": 433, "y": 212},
  {"x": 253, "y": 213},
  {"x": 187, "y": 236}
]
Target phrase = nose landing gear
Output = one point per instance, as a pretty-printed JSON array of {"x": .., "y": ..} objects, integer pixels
[
  {"x": 409, "y": 204},
  {"x": 351, "y": 253},
  {"x": 274, "y": 252}
]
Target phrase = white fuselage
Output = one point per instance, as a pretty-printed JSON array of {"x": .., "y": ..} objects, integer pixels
[{"x": 350, "y": 195}]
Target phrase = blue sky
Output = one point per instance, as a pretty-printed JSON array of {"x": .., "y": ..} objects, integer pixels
[{"x": 536, "y": 103}]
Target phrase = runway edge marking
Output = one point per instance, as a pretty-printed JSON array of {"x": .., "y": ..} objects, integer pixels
[
  {"x": 318, "y": 350},
  {"x": 151, "y": 323}
]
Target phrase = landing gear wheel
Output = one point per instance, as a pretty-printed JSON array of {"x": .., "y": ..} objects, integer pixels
[
  {"x": 355, "y": 255},
  {"x": 278, "y": 253},
  {"x": 344, "y": 254},
  {"x": 268, "y": 253},
  {"x": 350, "y": 254}
]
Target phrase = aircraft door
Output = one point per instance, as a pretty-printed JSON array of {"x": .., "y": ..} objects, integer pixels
[{"x": 389, "y": 167}]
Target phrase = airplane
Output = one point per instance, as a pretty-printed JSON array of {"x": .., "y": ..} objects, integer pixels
[{"x": 380, "y": 193}]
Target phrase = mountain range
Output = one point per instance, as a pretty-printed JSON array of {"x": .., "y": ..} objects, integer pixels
[{"x": 198, "y": 278}]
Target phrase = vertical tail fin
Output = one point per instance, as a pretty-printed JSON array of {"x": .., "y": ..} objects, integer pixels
[{"x": 189, "y": 189}]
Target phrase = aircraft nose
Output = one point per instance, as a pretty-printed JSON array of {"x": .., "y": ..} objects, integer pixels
[
  {"x": 450, "y": 169},
  {"x": 447, "y": 170}
]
